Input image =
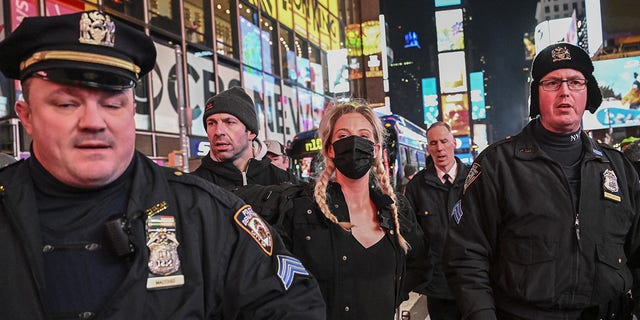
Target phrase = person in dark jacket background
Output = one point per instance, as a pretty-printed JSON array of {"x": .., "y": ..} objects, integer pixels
[
  {"x": 432, "y": 193},
  {"x": 92, "y": 229},
  {"x": 354, "y": 234},
  {"x": 547, "y": 224},
  {"x": 236, "y": 156}
]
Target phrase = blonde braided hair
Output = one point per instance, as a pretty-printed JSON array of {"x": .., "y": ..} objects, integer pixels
[{"x": 325, "y": 132}]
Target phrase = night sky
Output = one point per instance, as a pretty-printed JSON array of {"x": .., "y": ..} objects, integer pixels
[{"x": 495, "y": 35}]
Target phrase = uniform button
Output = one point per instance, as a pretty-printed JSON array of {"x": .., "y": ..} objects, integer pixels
[
  {"x": 391, "y": 231},
  {"x": 336, "y": 206},
  {"x": 426, "y": 212},
  {"x": 346, "y": 308},
  {"x": 309, "y": 211},
  {"x": 307, "y": 238},
  {"x": 1, "y": 188},
  {"x": 619, "y": 260},
  {"x": 47, "y": 248},
  {"x": 344, "y": 258},
  {"x": 178, "y": 173}
]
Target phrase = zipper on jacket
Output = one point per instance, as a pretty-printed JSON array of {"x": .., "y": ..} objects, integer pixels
[{"x": 577, "y": 227}]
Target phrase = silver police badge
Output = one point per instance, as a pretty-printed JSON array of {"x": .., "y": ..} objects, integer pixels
[
  {"x": 610, "y": 185},
  {"x": 610, "y": 181},
  {"x": 163, "y": 255}
]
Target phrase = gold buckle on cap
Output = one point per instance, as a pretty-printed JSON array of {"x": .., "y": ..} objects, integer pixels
[{"x": 79, "y": 57}]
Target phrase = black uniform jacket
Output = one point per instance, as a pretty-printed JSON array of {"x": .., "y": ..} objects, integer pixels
[
  {"x": 518, "y": 244},
  {"x": 226, "y": 175},
  {"x": 313, "y": 238},
  {"x": 227, "y": 274},
  {"x": 433, "y": 201}
]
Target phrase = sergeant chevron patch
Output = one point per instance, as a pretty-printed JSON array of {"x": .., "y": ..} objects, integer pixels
[{"x": 287, "y": 269}]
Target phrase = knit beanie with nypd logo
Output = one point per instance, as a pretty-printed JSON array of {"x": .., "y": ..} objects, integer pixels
[{"x": 563, "y": 56}]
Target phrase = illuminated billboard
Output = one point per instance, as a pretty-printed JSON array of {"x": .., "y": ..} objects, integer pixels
[
  {"x": 449, "y": 30},
  {"x": 476, "y": 88},
  {"x": 455, "y": 112},
  {"x": 445, "y": 3},
  {"x": 251, "y": 48},
  {"x": 555, "y": 31},
  {"x": 619, "y": 82},
  {"x": 453, "y": 72},
  {"x": 337, "y": 71},
  {"x": 430, "y": 101},
  {"x": 594, "y": 25}
]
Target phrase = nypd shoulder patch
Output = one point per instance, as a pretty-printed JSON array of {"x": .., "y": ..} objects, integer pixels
[
  {"x": 473, "y": 174},
  {"x": 288, "y": 267},
  {"x": 257, "y": 228},
  {"x": 456, "y": 213}
]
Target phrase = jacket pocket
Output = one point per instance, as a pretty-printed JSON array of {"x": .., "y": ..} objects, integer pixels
[
  {"x": 613, "y": 277},
  {"x": 527, "y": 269}
]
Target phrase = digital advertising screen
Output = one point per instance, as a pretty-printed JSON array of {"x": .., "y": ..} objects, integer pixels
[
  {"x": 455, "y": 112},
  {"x": 446, "y": 3},
  {"x": 453, "y": 72},
  {"x": 430, "y": 101},
  {"x": 251, "y": 44},
  {"x": 619, "y": 82},
  {"x": 476, "y": 89},
  {"x": 337, "y": 71},
  {"x": 450, "y": 30}
]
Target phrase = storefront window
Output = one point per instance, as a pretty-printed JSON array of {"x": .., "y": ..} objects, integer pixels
[
  {"x": 130, "y": 8},
  {"x": 165, "y": 15},
  {"x": 194, "y": 21},
  {"x": 225, "y": 26}
]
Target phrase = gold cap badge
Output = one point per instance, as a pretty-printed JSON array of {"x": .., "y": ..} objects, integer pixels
[
  {"x": 97, "y": 28},
  {"x": 560, "y": 53}
]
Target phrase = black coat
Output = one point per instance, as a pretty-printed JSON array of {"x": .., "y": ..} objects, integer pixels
[
  {"x": 315, "y": 240},
  {"x": 433, "y": 202},
  {"x": 226, "y": 175},
  {"x": 227, "y": 274},
  {"x": 519, "y": 245}
]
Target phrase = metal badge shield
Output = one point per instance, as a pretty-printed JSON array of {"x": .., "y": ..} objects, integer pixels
[
  {"x": 560, "y": 54},
  {"x": 164, "y": 261},
  {"x": 163, "y": 253},
  {"x": 610, "y": 185},
  {"x": 97, "y": 28}
]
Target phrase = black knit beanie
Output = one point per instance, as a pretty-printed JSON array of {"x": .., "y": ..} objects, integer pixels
[
  {"x": 236, "y": 102},
  {"x": 561, "y": 56}
]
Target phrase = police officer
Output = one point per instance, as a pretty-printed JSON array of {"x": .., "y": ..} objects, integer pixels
[
  {"x": 548, "y": 218},
  {"x": 433, "y": 192},
  {"x": 90, "y": 228},
  {"x": 234, "y": 160}
]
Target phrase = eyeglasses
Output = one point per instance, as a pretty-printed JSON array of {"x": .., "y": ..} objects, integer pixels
[{"x": 554, "y": 84}]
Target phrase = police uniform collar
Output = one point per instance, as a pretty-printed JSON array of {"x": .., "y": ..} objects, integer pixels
[{"x": 526, "y": 148}]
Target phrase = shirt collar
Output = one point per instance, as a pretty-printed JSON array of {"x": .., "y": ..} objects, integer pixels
[{"x": 452, "y": 172}]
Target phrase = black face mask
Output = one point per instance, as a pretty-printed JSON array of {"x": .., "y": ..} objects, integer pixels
[{"x": 353, "y": 156}]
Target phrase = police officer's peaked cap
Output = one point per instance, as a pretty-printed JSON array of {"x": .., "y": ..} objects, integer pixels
[
  {"x": 563, "y": 56},
  {"x": 86, "y": 49}
]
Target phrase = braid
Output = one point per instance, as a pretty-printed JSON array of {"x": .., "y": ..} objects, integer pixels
[
  {"x": 320, "y": 191},
  {"x": 383, "y": 179}
]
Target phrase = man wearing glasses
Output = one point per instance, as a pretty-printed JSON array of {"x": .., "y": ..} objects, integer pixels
[{"x": 547, "y": 223}]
